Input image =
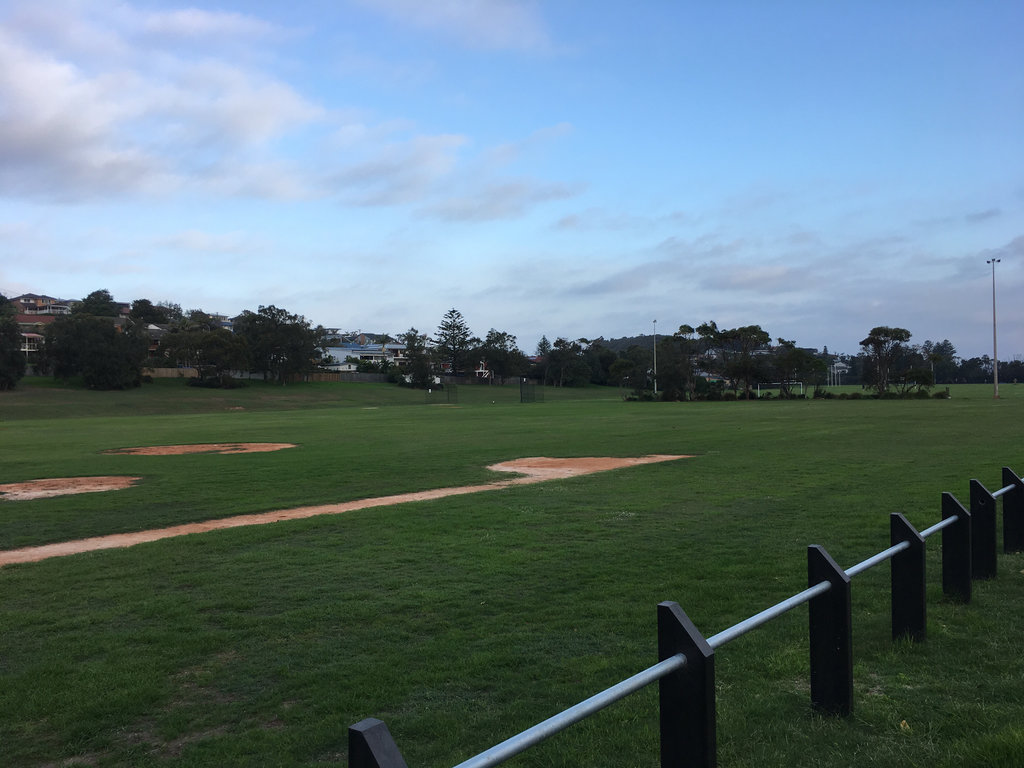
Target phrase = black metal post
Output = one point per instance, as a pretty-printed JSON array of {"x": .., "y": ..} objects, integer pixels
[
  {"x": 831, "y": 635},
  {"x": 687, "y": 696},
  {"x": 983, "y": 532},
  {"x": 1013, "y": 512},
  {"x": 370, "y": 746},
  {"x": 956, "y": 550},
  {"x": 909, "y": 606}
]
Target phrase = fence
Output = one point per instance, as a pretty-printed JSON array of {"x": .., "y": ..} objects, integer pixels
[{"x": 686, "y": 669}]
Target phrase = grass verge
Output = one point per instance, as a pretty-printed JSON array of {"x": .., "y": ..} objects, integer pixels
[{"x": 461, "y": 621}]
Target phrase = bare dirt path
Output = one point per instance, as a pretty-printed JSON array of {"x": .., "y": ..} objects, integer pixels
[
  {"x": 62, "y": 486},
  {"x": 178, "y": 450},
  {"x": 533, "y": 470}
]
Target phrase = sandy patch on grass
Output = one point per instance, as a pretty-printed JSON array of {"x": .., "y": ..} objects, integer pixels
[
  {"x": 61, "y": 486},
  {"x": 533, "y": 470},
  {"x": 177, "y": 450}
]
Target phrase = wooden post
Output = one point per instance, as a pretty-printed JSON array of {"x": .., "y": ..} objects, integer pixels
[
  {"x": 956, "y": 550},
  {"x": 370, "y": 746},
  {"x": 831, "y": 635},
  {"x": 1013, "y": 512},
  {"x": 687, "y": 696},
  {"x": 909, "y": 605}
]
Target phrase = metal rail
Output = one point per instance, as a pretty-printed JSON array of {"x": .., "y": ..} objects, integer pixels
[
  {"x": 874, "y": 560},
  {"x": 1001, "y": 491},
  {"x": 755, "y": 621},
  {"x": 559, "y": 722},
  {"x": 522, "y": 741},
  {"x": 939, "y": 526}
]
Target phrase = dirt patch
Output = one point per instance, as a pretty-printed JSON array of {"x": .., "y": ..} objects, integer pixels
[
  {"x": 534, "y": 470},
  {"x": 62, "y": 486},
  {"x": 178, "y": 450},
  {"x": 544, "y": 468}
]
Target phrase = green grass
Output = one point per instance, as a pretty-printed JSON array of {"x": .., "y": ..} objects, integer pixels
[{"x": 464, "y": 620}]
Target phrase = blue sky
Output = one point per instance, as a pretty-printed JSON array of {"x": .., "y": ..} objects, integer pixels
[{"x": 567, "y": 168}]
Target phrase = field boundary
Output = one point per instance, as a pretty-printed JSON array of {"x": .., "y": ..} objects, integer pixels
[{"x": 685, "y": 671}]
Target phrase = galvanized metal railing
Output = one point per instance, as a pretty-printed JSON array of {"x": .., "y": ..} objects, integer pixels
[{"x": 685, "y": 670}]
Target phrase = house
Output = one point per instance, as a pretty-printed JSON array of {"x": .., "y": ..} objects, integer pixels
[
  {"x": 349, "y": 355},
  {"x": 32, "y": 327},
  {"x": 34, "y": 304}
]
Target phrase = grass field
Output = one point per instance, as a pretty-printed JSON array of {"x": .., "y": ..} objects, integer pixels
[{"x": 464, "y": 620}]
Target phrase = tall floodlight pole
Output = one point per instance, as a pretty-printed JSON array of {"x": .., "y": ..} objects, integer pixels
[
  {"x": 655, "y": 356},
  {"x": 995, "y": 353}
]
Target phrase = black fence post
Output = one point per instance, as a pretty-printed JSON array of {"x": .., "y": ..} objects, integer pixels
[
  {"x": 956, "y": 550},
  {"x": 370, "y": 746},
  {"x": 831, "y": 635},
  {"x": 909, "y": 605},
  {"x": 687, "y": 696},
  {"x": 1013, "y": 512},
  {"x": 983, "y": 532}
]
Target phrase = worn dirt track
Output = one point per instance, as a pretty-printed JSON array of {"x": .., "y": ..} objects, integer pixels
[
  {"x": 179, "y": 450},
  {"x": 533, "y": 470},
  {"x": 63, "y": 486}
]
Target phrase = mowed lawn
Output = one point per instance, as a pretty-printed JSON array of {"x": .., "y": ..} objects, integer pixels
[{"x": 464, "y": 620}]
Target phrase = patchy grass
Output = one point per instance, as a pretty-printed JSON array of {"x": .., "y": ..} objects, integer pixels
[{"x": 461, "y": 621}]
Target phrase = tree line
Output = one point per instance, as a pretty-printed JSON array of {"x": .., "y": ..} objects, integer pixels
[
  {"x": 704, "y": 362},
  {"x": 108, "y": 351}
]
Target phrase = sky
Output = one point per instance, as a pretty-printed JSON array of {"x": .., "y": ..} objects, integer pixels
[{"x": 576, "y": 168}]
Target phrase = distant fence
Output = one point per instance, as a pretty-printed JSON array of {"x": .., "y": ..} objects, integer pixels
[
  {"x": 170, "y": 373},
  {"x": 332, "y": 376},
  {"x": 686, "y": 668}
]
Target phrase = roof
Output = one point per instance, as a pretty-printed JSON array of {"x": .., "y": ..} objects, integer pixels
[{"x": 23, "y": 319}]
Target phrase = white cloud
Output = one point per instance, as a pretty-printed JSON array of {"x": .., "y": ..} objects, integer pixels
[
  {"x": 399, "y": 173},
  {"x": 481, "y": 24},
  {"x": 507, "y": 153},
  {"x": 130, "y": 112},
  {"x": 75, "y": 128},
  {"x": 505, "y": 200},
  {"x": 58, "y": 125},
  {"x": 598, "y": 219},
  {"x": 207, "y": 242},
  {"x": 192, "y": 22},
  {"x": 773, "y": 278}
]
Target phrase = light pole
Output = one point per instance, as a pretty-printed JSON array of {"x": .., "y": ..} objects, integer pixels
[
  {"x": 995, "y": 353},
  {"x": 655, "y": 357}
]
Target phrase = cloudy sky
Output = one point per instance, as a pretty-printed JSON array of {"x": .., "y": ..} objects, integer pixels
[{"x": 569, "y": 168}]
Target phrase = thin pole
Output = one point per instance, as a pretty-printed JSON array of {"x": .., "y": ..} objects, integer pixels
[
  {"x": 995, "y": 353},
  {"x": 655, "y": 356}
]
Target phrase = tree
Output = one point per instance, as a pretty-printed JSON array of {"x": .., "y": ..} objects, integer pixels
[
  {"x": 919, "y": 379},
  {"x": 502, "y": 355},
  {"x": 542, "y": 360},
  {"x": 453, "y": 342},
  {"x": 566, "y": 364},
  {"x": 942, "y": 358},
  {"x": 676, "y": 356},
  {"x": 417, "y": 359},
  {"x": 734, "y": 352},
  {"x": 795, "y": 364},
  {"x": 171, "y": 309},
  {"x": 105, "y": 356},
  {"x": 198, "y": 320},
  {"x": 600, "y": 359},
  {"x": 214, "y": 354},
  {"x": 98, "y": 303},
  {"x": 622, "y": 371},
  {"x": 282, "y": 345},
  {"x": 12, "y": 359},
  {"x": 145, "y": 312},
  {"x": 883, "y": 347}
]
